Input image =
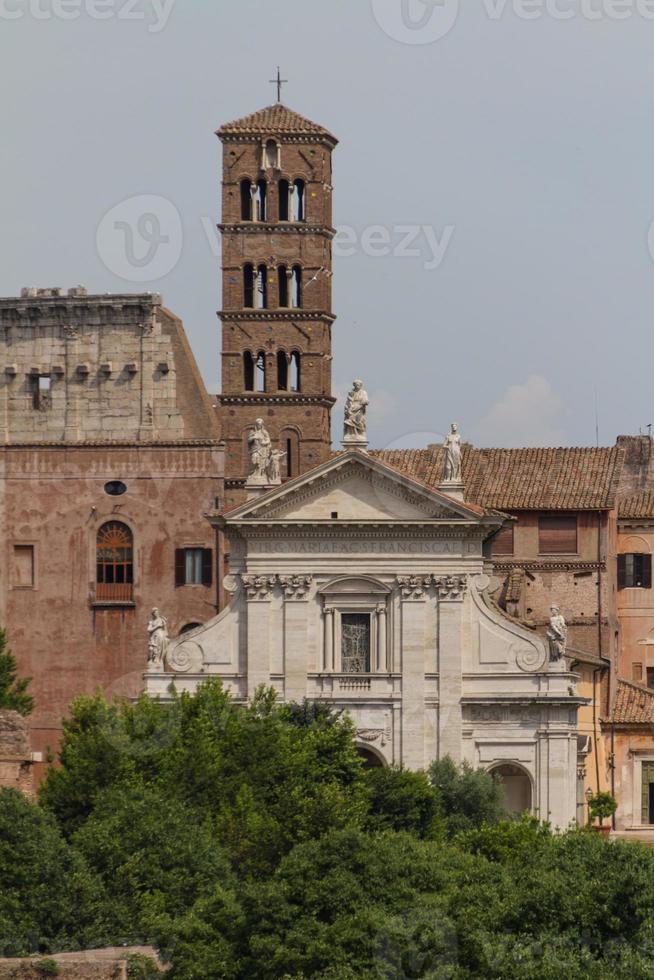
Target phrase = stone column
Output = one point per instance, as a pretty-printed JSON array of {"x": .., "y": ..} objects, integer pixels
[
  {"x": 296, "y": 610},
  {"x": 382, "y": 654},
  {"x": 146, "y": 430},
  {"x": 412, "y": 645},
  {"x": 450, "y": 655}
]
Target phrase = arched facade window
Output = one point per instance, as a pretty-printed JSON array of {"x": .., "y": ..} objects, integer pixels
[
  {"x": 282, "y": 285},
  {"x": 114, "y": 563},
  {"x": 246, "y": 199},
  {"x": 248, "y": 285},
  {"x": 296, "y": 379},
  {"x": 260, "y": 372},
  {"x": 248, "y": 371},
  {"x": 284, "y": 198},
  {"x": 282, "y": 371},
  {"x": 261, "y": 201},
  {"x": 296, "y": 287},
  {"x": 289, "y": 442},
  {"x": 261, "y": 292},
  {"x": 298, "y": 200},
  {"x": 272, "y": 155}
]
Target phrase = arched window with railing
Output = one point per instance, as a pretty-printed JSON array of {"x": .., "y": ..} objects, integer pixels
[{"x": 114, "y": 563}]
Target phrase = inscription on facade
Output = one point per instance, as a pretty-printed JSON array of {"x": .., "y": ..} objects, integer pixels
[{"x": 366, "y": 547}]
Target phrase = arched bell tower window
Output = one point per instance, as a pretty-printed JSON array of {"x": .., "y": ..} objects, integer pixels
[
  {"x": 261, "y": 371},
  {"x": 284, "y": 198},
  {"x": 296, "y": 287},
  {"x": 296, "y": 381},
  {"x": 282, "y": 276},
  {"x": 261, "y": 292},
  {"x": 248, "y": 371},
  {"x": 114, "y": 563},
  {"x": 298, "y": 201},
  {"x": 282, "y": 371},
  {"x": 246, "y": 200},
  {"x": 261, "y": 200},
  {"x": 272, "y": 155},
  {"x": 248, "y": 285}
]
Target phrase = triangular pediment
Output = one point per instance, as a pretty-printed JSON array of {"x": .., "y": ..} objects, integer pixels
[{"x": 351, "y": 488}]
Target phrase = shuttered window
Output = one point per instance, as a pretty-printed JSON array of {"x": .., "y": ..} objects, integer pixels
[
  {"x": 634, "y": 571},
  {"x": 557, "y": 534},
  {"x": 193, "y": 566},
  {"x": 502, "y": 543}
]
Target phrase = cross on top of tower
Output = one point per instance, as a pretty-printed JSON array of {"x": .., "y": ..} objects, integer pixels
[{"x": 279, "y": 81}]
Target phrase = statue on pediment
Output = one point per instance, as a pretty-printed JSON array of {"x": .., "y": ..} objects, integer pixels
[
  {"x": 356, "y": 409},
  {"x": 452, "y": 457},
  {"x": 157, "y": 639}
]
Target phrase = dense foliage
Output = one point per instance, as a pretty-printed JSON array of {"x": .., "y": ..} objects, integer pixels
[
  {"x": 13, "y": 690},
  {"x": 250, "y": 842}
]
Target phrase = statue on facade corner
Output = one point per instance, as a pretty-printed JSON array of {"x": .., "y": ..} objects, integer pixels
[
  {"x": 452, "y": 458},
  {"x": 557, "y": 634},
  {"x": 157, "y": 639},
  {"x": 274, "y": 472},
  {"x": 356, "y": 407}
]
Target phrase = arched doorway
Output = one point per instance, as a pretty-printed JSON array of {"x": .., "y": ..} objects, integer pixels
[
  {"x": 516, "y": 785},
  {"x": 370, "y": 758}
]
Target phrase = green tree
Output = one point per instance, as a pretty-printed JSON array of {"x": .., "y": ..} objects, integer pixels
[
  {"x": 403, "y": 800},
  {"x": 13, "y": 690},
  {"x": 49, "y": 900},
  {"x": 468, "y": 797}
]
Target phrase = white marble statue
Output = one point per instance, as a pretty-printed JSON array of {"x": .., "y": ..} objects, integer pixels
[
  {"x": 260, "y": 447},
  {"x": 356, "y": 407},
  {"x": 557, "y": 634},
  {"x": 274, "y": 472},
  {"x": 157, "y": 639},
  {"x": 452, "y": 457}
]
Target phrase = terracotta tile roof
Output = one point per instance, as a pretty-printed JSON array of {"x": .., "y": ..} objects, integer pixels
[
  {"x": 634, "y": 705},
  {"x": 635, "y": 505},
  {"x": 522, "y": 479},
  {"x": 272, "y": 120}
]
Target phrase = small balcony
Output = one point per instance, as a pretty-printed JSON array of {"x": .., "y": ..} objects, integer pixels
[{"x": 114, "y": 592}]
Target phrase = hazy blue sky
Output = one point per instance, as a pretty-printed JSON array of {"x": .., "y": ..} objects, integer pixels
[{"x": 524, "y": 146}]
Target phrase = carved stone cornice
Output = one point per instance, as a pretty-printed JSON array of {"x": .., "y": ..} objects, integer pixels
[
  {"x": 259, "y": 587},
  {"x": 544, "y": 565},
  {"x": 276, "y": 315},
  {"x": 448, "y": 587},
  {"x": 296, "y": 586},
  {"x": 292, "y": 228},
  {"x": 325, "y": 401}
]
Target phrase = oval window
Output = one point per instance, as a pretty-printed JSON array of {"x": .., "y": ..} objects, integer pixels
[{"x": 115, "y": 488}]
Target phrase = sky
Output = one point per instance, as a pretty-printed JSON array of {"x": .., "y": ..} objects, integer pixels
[{"x": 494, "y": 189}]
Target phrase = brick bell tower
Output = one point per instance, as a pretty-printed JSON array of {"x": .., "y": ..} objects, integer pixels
[{"x": 277, "y": 298}]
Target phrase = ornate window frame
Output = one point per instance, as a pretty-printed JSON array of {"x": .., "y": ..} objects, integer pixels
[{"x": 355, "y": 594}]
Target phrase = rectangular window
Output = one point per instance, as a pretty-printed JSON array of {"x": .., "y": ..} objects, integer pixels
[
  {"x": 41, "y": 391},
  {"x": 637, "y": 673},
  {"x": 23, "y": 566},
  {"x": 193, "y": 566},
  {"x": 557, "y": 534},
  {"x": 355, "y": 643},
  {"x": 647, "y": 815},
  {"x": 502, "y": 543},
  {"x": 634, "y": 571},
  {"x": 650, "y": 677}
]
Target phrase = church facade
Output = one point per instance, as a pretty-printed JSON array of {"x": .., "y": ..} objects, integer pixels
[{"x": 355, "y": 586}]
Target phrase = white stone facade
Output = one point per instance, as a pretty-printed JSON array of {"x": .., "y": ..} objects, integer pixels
[{"x": 356, "y": 586}]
